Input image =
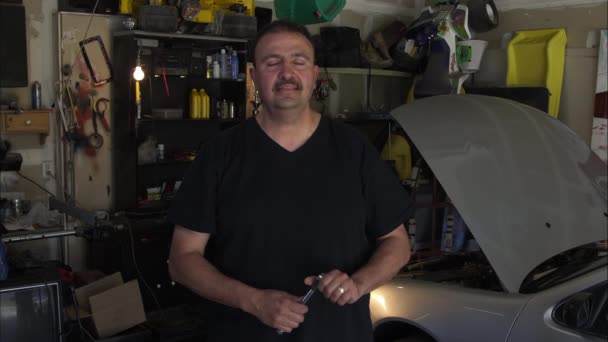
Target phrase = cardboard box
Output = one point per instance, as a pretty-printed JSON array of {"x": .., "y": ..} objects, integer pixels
[{"x": 113, "y": 305}]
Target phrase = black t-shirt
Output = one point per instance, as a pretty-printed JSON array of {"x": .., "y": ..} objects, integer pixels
[{"x": 276, "y": 216}]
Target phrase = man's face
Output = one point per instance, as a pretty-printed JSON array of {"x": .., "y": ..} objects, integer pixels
[{"x": 284, "y": 73}]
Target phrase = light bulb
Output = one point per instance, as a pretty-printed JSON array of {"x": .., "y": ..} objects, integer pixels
[{"x": 138, "y": 74}]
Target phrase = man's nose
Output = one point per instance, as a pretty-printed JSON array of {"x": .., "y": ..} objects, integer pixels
[{"x": 286, "y": 71}]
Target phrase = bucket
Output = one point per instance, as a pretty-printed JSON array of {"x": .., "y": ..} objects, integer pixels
[
  {"x": 470, "y": 54},
  {"x": 309, "y": 11}
]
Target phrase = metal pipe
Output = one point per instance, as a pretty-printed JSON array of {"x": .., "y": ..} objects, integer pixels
[
  {"x": 64, "y": 176},
  {"x": 38, "y": 236}
]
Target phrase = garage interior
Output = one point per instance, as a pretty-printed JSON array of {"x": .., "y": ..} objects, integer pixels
[{"x": 104, "y": 105}]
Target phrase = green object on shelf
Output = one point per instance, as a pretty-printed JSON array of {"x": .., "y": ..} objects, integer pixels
[{"x": 308, "y": 11}]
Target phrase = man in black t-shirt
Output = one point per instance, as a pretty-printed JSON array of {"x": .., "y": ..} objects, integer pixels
[{"x": 281, "y": 198}]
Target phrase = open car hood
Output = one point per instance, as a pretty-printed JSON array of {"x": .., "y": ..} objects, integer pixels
[{"x": 527, "y": 186}]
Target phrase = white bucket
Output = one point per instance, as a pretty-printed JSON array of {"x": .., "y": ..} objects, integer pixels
[{"x": 478, "y": 47}]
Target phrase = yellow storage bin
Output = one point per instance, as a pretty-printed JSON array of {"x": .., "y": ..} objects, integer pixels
[{"x": 536, "y": 59}]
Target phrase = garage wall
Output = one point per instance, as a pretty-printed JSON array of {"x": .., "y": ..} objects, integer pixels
[
  {"x": 369, "y": 16},
  {"x": 576, "y": 108},
  {"x": 42, "y": 66},
  {"x": 42, "y": 61}
]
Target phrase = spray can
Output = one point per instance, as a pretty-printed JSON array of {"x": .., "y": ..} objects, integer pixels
[{"x": 36, "y": 95}]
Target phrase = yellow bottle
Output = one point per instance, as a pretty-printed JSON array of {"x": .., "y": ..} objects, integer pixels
[
  {"x": 201, "y": 104},
  {"x": 207, "y": 106},
  {"x": 195, "y": 104},
  {"x": 204, "y": 104}
]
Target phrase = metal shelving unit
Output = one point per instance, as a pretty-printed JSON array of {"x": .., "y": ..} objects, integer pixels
[{"x": 366, "y": 71}]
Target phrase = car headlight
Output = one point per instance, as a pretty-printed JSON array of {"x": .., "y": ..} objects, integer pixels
[{"x": 586, "y": 311}]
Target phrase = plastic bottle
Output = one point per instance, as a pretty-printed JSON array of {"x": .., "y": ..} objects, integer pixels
[
  {"x": 199, "y": 114},
  {"x": 160, "y": 152},
  {"x": 223, "y": 63},
  {"x": 216, "y": 69},
  {"x": 235, "y": 65},
  {"x": 195, "y": 103},
  {"x": 225, "y": 114},
  {"x": 207, "y": 106},
  {"x": 204, "y": 104},
  {"x": 209, "y": 69},
  {"x": 231, "y": 114}
]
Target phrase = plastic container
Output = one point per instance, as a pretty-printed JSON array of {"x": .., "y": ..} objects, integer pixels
[
  {"x": 223, "y": 63},
  {"x": 536, "y": 59},
  {"x": 216, "y": 70},
  {"x": 195, "y": 104},
  {"x": 303, "y": 12},
  {"x": 400, "y": 152},
  {"x": 225, "y": 109},
  {"x": 471, "y": 54},
  {"x": 209, "y": 68},
  {"x": 160, "y": 152},
  {"x": 167, "y": 113},
  {"x": 204, "y": 103},
  {"x": 157, "y": 18}
]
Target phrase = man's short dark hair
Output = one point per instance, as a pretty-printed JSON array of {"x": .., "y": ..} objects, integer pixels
[{"x": 279, "y": 26}]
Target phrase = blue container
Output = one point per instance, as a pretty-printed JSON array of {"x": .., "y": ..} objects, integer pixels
[{"x": 235, "y": 65}]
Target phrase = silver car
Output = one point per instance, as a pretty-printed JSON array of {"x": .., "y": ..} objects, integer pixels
[{"x": 534, "y": 197}]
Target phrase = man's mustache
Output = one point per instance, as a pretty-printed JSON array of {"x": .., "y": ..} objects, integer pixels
[{"x": 281, "y": 83}]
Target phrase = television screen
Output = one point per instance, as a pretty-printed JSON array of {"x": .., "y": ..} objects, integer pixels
[
  {"x": 13, "y": 50},
  {"x": 30, "y": 312}
]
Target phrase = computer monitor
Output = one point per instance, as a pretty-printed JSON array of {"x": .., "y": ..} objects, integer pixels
[{"x": 30, "y": 311}]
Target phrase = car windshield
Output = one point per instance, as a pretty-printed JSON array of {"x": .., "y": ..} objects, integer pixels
[{"x": 565, "y": 266}]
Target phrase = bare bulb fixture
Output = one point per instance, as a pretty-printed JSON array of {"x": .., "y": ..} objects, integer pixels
[{"x": 138, "y": 74}]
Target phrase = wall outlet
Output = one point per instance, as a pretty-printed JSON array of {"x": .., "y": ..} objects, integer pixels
[{"x": 48, "y": 169}]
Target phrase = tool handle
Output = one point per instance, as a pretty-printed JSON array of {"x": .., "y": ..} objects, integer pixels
[
  {"x": 307, "y": 296},
  {"x": 105, "y": 124}
]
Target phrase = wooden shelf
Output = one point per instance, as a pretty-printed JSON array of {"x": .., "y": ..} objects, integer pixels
[
  {"x": 211, "y": 120},
  {"x": 364, "y": 71},
  {"x": 160, "y": 35},
  {"x": 198, "y": 77},
  {"x": 27, "y": 122}
]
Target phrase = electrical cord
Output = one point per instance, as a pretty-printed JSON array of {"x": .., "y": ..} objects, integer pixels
[
  {"x": 86, "y": 32},
  {"x": 83, "y": 331},
  {"x": 36, "y": 184},
  {"x": 139, "y": 274},
  {"x": 50, "y": 307},
  {"x": 369, "y": 86}
]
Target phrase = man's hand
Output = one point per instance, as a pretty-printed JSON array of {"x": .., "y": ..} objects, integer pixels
[
  {"x": 278, "y": 309},
  {"x": 338, "y": 287}
]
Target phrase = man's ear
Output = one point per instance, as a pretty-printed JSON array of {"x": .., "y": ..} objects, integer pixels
[{"x": 316, "y": 72}]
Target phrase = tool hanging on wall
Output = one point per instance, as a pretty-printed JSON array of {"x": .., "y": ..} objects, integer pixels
[
  {"x": 97, "y": 60},
  {"x": 100, "y": 106}
]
